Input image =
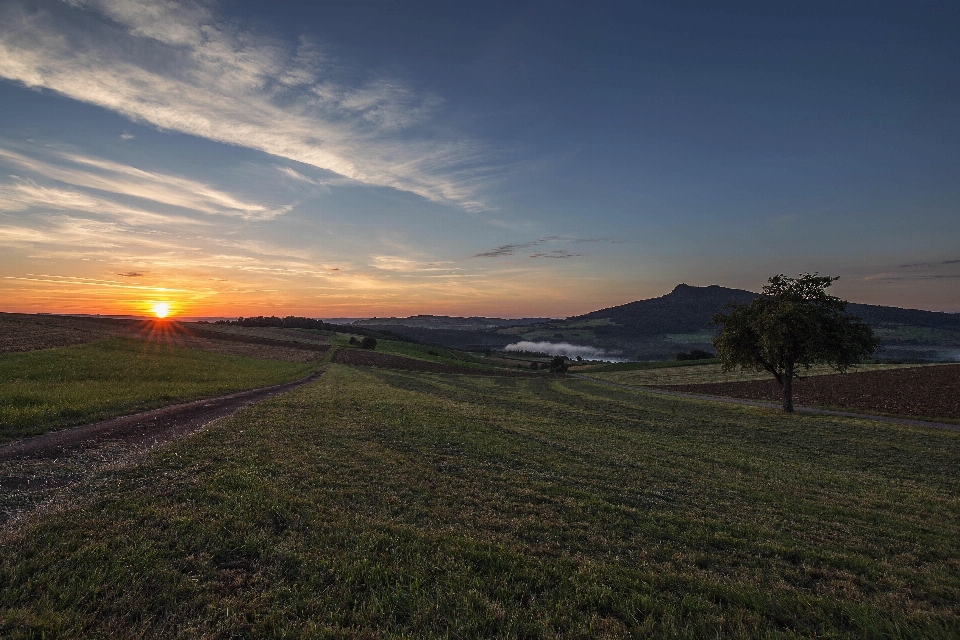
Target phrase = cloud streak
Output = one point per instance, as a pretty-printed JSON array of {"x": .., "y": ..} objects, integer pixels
[
  {"x": 506, "y": 250},
  {"x": 125, "y": 180},
  {"x": 177, "y": 67},
  {"x": 511, "y": 249},
  {"x": 941, "y": 263},
  {"x": 560, "y": 254}
]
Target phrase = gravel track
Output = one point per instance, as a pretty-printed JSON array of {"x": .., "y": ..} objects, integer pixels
[{"x": 36, "y": 473}]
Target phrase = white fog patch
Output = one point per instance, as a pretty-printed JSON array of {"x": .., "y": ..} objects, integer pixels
[{"x": 560, "y": 349}]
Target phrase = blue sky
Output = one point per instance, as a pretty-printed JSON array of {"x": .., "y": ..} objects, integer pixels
[{"x": 519, "y": 158}]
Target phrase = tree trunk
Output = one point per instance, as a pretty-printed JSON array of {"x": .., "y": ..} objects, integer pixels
[{"x": 788, "y": 388}]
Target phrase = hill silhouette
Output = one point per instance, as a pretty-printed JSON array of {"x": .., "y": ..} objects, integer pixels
[
  {"x": 660, "y": 328},
  {"x": 688, "y": 309}
]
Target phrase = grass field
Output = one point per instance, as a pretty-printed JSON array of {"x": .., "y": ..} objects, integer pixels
[
  {"x": 707, "y": 373},
  {"x": 384, "y": 504},
  {"x": 441, "y": 355},
  {"x": 643, "y": 366},
  {"x": 52, "y": 388}
]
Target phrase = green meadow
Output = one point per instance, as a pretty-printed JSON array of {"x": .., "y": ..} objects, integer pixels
[
  {"x": 54, "y": 388},
  {"x": 375, "y": 503},
  {"x": 417, "y": 351}
]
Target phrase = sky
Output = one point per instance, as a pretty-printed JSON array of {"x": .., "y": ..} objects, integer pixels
[{"x": 361, "y": 158}]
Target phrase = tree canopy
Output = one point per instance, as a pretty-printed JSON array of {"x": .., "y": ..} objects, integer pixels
[{"x": 793, "y": 324}]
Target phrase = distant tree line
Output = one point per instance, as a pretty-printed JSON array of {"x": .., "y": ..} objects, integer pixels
[{"x": 288, "y": 322}]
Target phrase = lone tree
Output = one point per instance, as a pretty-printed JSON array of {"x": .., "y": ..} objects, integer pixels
[
  {"x": 558, "y": 365},
  {"x": 794, "y": 323}
]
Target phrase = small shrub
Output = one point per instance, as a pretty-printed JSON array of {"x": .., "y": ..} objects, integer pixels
[
  {"x": 369, "y": 343},
  {"x": 353, "y": 340}
]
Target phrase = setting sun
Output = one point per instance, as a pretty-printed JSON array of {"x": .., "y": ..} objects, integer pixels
[{"x": 161, "y": 309}]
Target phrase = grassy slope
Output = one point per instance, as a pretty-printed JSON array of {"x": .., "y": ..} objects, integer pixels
[
  {"x": 52, "y": 388},
  {"x": 419, "y": 352},
  {"x": 377, "y": 504}
]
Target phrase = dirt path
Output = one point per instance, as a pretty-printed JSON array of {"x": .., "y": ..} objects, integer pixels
[
  {"x": 147, "y": 428},
  {"x": 771, "y": 405},
  {"x": 37, "y": 473}
]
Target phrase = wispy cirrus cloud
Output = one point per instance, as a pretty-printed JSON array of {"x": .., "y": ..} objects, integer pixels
[
  {"x": 91, "y": 282},
  {"x": 927, "y": 270},
  {"x": 124, "y": 180},
  {"x": 506, "y": 250},
  {"x": 939, "y": 263},
  {"x": 511, "y": 249},
  {"x": 179, "y": 66},
  {"x": 560, "y": 254},
  {"x": 24, "y": 195}
]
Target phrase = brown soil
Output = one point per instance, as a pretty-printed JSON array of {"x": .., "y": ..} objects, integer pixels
[
  {"x": 270, "y": 333},
  {"x": 184, "y": 335},
  {"x": 25, "y": 332},
  {"x": 366, "y": 358},
  {"x": 924, "y": 392}
]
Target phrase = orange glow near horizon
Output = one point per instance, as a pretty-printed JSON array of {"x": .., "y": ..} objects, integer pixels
[{"x": 160, "y": 309}]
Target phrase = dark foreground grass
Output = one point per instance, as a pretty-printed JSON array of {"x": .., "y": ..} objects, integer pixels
[
  {"x": 384, "y": 504},
  {"x": 44, "y": 390}
]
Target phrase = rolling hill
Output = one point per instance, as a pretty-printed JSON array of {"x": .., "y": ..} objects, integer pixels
[{"x": 659, "y": 328}]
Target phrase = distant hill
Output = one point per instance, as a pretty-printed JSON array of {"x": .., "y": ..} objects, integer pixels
[
  {"x": 659, "y": 328},
  {"x": 681, "y": 319},
  {"x": 688, "y": 309}
]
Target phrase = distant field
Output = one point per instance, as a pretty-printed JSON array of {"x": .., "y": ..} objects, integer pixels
[
  {"x": 930, "y": 393},
  {"x": 440, "y": 355},
  {"x": 709, "y": 373},
  {"x": 272, "y": 333},
  {"x": 369, "y": 358},
  {"x": 638, "y": 366},
  {"x": 389, "y": 504},
  {"x": 233, "y": 343},
  {"x": 44, "y": 390},
  {"x": 27, "y": 332}
]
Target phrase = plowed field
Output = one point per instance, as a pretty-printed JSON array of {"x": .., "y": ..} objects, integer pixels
[
  {"x": 25, "y": 332},
  {"x": 365, "y": 358},
  {"x": 922, "y": 392},
  {"x": 251, "y": 346}
]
